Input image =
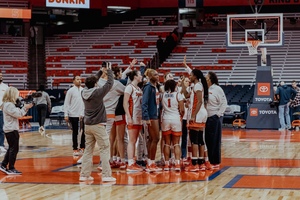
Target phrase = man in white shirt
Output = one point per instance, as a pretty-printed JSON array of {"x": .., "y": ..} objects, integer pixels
[
  {"x": 74, "y": 112},
  {"x": 3, "y": 88}
]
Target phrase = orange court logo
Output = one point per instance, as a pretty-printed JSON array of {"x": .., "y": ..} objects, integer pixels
[
  {"x": 263, "y": 89},
  {"x": 253, "y": 112}
]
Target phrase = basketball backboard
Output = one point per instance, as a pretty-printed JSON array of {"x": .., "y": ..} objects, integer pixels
[{"x": 266, "y": 27}]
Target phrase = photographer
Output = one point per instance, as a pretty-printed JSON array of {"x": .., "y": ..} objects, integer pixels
[
  {"x": 42, "y": 103},
  {"x": 11, "y": 113}
]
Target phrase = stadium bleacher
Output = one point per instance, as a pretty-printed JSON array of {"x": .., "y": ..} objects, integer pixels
[
  {"x": 83, "y": 52},
  {"x": 14, "y": 60}
]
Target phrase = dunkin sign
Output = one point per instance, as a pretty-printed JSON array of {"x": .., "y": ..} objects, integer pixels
[{"x": 68, "y": 3}]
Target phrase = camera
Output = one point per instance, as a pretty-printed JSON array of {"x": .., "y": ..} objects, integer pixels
[{"x": 20, "y": 102}]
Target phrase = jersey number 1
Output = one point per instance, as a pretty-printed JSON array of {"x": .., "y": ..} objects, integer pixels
[{"x": 169, "y": 103}]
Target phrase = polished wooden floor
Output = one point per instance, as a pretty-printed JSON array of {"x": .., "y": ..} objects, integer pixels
[{"x": 256, "y": 164}]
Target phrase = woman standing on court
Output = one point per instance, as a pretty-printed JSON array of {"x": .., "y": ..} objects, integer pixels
[
  {"x": 216, "y": 106},
  {"x": 150, "y": 107},
  {"x": 11, "y": 114},
  {"x": 173, "y": 110},
  {"x": 198, "y": 116},
  {"x": 42, "y": 103},
  {"x": 133, "y": 109}
]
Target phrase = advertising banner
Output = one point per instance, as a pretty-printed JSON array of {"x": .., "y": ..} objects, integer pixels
[
  {"x": 262, "y": 116},
  {"x": 14, "y": 13},
  {"x": 68, "y": 3},
  {"x": 264, "y": 92}
]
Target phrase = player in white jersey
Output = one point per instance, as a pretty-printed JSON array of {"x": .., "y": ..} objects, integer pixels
[
  {"x": 173, "y": 110},
  {"x": 186, "y": 82},
  {"x": 133, "y": 109},
  {"x": 198, "y": 99}
]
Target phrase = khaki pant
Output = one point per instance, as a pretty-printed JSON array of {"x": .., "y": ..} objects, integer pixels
[{"x": 93, "y": 134}]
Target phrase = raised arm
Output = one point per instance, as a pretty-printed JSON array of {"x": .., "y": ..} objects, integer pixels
[
  {"x": 109, "y": 83},
  {"x": 187, "y": 68},
  {"x": 128, "y": 69}
]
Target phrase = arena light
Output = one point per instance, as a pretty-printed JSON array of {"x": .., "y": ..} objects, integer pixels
[{"x": 118, "y": 7}]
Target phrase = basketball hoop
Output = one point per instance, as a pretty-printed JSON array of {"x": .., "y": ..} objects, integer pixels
[{"x": 252, "y": 46}]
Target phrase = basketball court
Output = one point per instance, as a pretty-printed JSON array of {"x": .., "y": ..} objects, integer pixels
[
  {"x": 51, "y": 172},
  {"x": 258, "y": 162}
]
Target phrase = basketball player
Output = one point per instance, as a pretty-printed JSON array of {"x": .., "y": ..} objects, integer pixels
[
  {"x": 173, "y": 110},
  {"x": 133, "y": 109},
  {"x": 186, "y": 82},
  {"x": 198, "y": 116}
]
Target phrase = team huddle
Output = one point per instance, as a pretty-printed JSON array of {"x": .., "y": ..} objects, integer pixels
[{"x": 137, "y": 107}]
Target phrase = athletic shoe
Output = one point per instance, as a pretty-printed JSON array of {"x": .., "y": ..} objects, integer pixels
[
  {"x": 192, "y": 168},
  {"x": 216, "y": 166},
  {"x": 202, "y": 167},
  {"x": 186, "y": 161},
  {"x": 42, "y": 131},
  {"x": 81, "y": 150},
  {"x": 122, "y": 166},
  {"x": 83, "y": 178},
  {"x": 114, "y": 164},
  {"x": 108, "y": 179},
  {"x": 134, "y": 168},
  {"x": 150, "y": 168},
  {"x": 157, "y": 169},
  {"x": 167, "y": 168},
  {"x": 75, "y": 153},
  {"x": 13, "y": 172},
  {"x": 3, "y": 169},
  {"x": 154, "y": 168},
  {"x": 79, "y": 161},
  {"x": 141, "y": 163},
  {"x": 177, "y": 167},
  {"x": 208, "y": 165},
  {"x": 99, "y": 167},
  {"x": 2, "y": 149}
]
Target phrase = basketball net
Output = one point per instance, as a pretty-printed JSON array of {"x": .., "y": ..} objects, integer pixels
[{"x": 252, "y": 46}]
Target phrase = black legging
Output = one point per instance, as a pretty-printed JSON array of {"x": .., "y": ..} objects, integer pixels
[
  {"x": 42, "y": 113},
  {"x": 13, "y": 149},
  {"x": 184, "y": 139},
  {"x": 74, "y": 122},
  {"x": 213, "y": 134}
]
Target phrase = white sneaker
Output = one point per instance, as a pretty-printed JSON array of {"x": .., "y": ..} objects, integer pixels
[
  {"x": 79, "y": 161},
  {"x": 2, "y": 149},
  {"x": 108, "y": 179},
  {"x": 83, "y": 178}
]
